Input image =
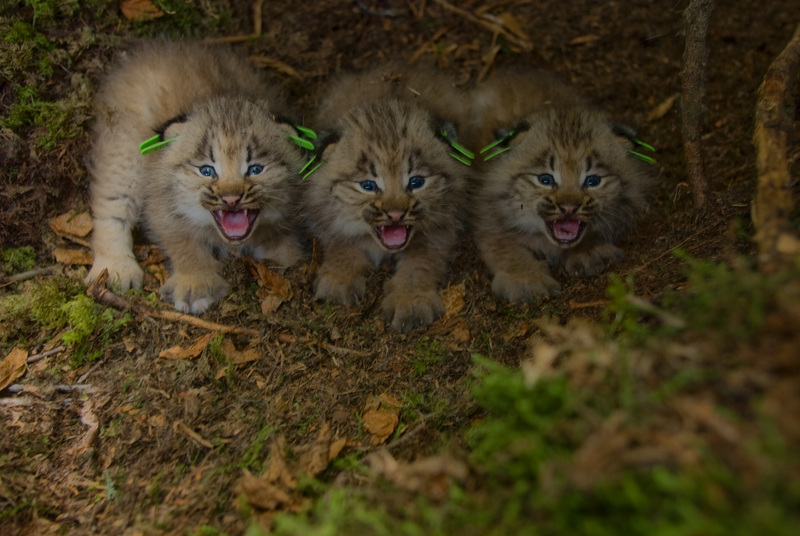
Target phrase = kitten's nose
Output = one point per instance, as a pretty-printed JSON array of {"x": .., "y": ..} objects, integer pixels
[
  {"x": 569, "y": 210},
  {"x": 395, "y": 215},
  {"x": 231, "y": 200}
]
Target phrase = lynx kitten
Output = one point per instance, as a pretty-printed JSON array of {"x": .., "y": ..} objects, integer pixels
[
  {"x": 225, "y": 182},
  {"x": 560, "y": 191},
  {"x": 388, "y": 190}
]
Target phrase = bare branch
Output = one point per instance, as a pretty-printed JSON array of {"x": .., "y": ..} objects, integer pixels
[{"x": 693, "y": 81}]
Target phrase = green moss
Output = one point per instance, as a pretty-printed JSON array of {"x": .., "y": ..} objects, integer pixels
[
  {"x": 60, "y": 303},
  {"x": 428, "y": 352},
  {"x": 16, "y": 260}
]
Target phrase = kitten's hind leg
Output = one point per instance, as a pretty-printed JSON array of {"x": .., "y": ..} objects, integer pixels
[{"x": 114, "y": 217}]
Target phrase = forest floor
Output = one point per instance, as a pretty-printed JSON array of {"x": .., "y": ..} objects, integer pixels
[{"x": 662, "y": 398}]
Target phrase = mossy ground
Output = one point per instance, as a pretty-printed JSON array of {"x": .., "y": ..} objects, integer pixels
[{"x": 660, "y": 399}]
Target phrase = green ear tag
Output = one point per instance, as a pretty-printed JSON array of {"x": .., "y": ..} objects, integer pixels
[
  {"x": 305, "y": 144},
  {"x": 642, "y": 157},
  {"x": 307, "y": 132},
  {"x": 463, "y": 159},
  {"x": 312, "y": 170},
  {"x": 497, "y": 152},
  {"x": 153, "y": 144},
  {"x": 466, "y": 155},
  {"x": 644, "y": 145}
]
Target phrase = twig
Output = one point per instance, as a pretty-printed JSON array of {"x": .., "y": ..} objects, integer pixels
[
  {"x": 38, "y": 357},
  {"x": 181, "y": 427},
  {"x": 100, "y": 294},
  {"x": 777, "y": 244},
  {"x": 23, "y": 276},
  {"x": 257, "y": 24},
  {"x": 693, "y": 81},
  {"x": 524, "y": 44}
]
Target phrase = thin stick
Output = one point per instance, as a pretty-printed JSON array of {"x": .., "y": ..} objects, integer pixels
[
  {"x": 38, "y": 357},
  {"x": 524, "y": 44},
  {"x": 693, "y": 81},
  {"x": 777, "y": 244},
  {"x": 23, "y": 276},
  {"x": 100, "y": 294}
]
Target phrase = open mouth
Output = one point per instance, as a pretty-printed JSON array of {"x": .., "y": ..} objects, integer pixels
[
  {"x": 566, "y": 231},
  {"x": 235, "y": 225},
  {"x": 393, "y": 236}
]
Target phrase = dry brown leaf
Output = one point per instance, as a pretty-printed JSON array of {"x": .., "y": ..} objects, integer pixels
[
  {"x": 661, "y": 110},
  {"x": 460, "y": 332},
  {"x": 77, "y": 224},
  {"x": 316, "y": 458},
  {"x": 278, "y": 471},
  {"x": 238, "y": 357},
  {"x": 512, "y": 25},
  {"x": 13, "y": 366},
  {"x": 137, "y": 10},
  {"x": 262, "y": 494},
  {"x": 80, "y": 257},
  {"x": 430, "y": 476},
  {"x": 453, "y": 298},
  {"x": 584, "y": 39},
  {"x": 178, "y": 352},
  {"x": 381, "y": 415},
  {"x": 275, "y": 289}
]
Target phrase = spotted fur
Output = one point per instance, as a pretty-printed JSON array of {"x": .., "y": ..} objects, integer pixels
[
  {"x": 388, "y": 190},
  {"x": 560, "y": 196},
  {"x": 227, "y": 181}
]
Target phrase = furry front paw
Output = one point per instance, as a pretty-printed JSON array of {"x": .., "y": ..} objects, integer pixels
[
  {"x": 340, "y": 288},
  {"x": 194, "y": 293},
  {"x": 594, "y": 260},
  {"x": 405, "y": 310},
  {"x": 521, "y": 288},
  {"x": 123, "y": 274}
]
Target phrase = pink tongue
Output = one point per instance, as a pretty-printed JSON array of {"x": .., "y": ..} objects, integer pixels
[
  {"x": 566, "y": 229},
  {"x": 234, "y": 223},
  {"x": 394, "y": 236}
]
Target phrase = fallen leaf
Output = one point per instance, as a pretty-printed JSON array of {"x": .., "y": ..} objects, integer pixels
[
  {"x": 431, "y": 476},
  {"x": 73, "y": 256},
  {"x": 137, "y": 10},
  {"x": 453, "y": 298},
  {"x": 13, "y": 366},
  {"x": 275, "y": 289},
  {"x": 584, "y": 39},
  {"x": 260, "y": 493},
  {"x": 238, "y": 357},
  {"x": 88, "y": 419},
  {"x": 661, "y": 110},
  {"x": 381, "y": 415},
  {"x": 317, "y": 457},
  {"x": 460, "y": 332},
  {"x": 72, "y": 223},
  {"x": 178, "y": 352}
]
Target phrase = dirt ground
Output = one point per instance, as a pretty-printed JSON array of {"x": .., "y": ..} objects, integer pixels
[{"x": 194, "y": 425}]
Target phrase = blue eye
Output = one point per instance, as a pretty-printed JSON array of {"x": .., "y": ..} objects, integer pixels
[
  {"x": 545, "y": 179},
  {"x": 591, "y": 181},
  {"x": 255, "y": 169},
  {"x": 416, "y": 182},
  {"x": 208, "y": 171},
  {"x": 368, "y": 186}
]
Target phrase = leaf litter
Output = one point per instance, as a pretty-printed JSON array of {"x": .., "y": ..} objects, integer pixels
[{"x": 164, "y": 440}]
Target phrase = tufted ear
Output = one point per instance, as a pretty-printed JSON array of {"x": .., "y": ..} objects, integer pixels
[
  {"x": 326, "y": 143},
  {"x": 625, "y": 134},
  {"x": 173, "y": 127}
]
